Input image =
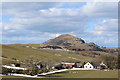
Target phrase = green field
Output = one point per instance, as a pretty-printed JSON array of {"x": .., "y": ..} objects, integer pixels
[
  {"x": 79, "y": 74},
  {"x": 86, "y": 74},
  {"x": 17, "y": 51}
]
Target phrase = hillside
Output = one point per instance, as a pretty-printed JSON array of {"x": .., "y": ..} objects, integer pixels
[
  {"x": 73, "y": 43},
  {"x": 77, "y": 44},
  {"x": 10, "y": 53},
  {"x": 21, "y": 53},
  {"x": 65, "y": 40},
  {"x": 75, "y": 50}
]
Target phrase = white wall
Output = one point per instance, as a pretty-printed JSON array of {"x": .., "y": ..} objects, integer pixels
[{"x": 88, "y": 66}]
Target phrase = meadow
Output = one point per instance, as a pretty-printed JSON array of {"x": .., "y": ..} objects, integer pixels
[
  {"x": 87, "y": 74},
  {"x": 79, "y": 74},
  {"x": 19, "y": 52}
]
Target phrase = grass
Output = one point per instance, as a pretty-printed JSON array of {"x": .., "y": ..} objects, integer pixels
[
  {"x": 79, "y": 74},
  {"x": 86, "y": 74},
  {"x": 12, "y": 77},
  {"x": 17, "y": 51},
  {"x": 21, "y": 53}
]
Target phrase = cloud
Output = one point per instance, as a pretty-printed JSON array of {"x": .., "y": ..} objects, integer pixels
[
  {"x": 52, "y": 35},
  {"x": 101, "y": 9},
  {"x": 107, "y": 41},
  {"x": 23, "y": 8},
  {"x": 30, "y": 22},
  {"x": 103, "y": 33},
  {"x": 107, "y": 25}
]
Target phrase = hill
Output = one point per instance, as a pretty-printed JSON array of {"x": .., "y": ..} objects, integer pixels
[
  {"x": 73, "y": 43},
  {"x": 77, "y": 50},
  {"x": 65, "y": 40},
  {"x": 17, "y": 52},
  {"x": 77, "y": 44}
]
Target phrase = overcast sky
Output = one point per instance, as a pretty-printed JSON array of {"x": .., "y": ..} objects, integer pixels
[{"x": 36, "y": 22}]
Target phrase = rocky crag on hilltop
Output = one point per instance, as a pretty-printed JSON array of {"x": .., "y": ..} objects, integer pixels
[
  {"x": 72, "y": 43},
  {"x": 77, "y": 44}
]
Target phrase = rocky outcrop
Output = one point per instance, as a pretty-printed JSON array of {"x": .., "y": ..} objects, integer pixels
[{"x": 72, "y": 43}]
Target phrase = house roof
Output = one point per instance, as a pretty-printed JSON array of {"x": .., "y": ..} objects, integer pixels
[
  {"x": 67, "y": 63},
  {"x": 94, "y": 64}
]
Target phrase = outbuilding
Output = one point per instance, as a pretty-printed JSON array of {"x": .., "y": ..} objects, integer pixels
[{"x": 88, "y": 66}]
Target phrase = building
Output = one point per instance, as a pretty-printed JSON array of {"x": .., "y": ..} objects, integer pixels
[
  {"x": 103, "y": 66},
  {"x": 64, "y": 65},
  {"x": 78, "y": 65},
  {"x": 88, "y": 66}
]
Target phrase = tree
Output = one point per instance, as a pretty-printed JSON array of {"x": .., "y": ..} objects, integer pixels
[
  {"x": 118, "y": 61},
  {"x": 6, "y": 71},
  {"x": 34, "y": 66},
  {"x": 110, "y": 60},
  {"x": 49, "y": 64}
]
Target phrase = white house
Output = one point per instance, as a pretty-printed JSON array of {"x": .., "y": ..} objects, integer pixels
[
  {"x": 104, "y": 66},
  {"x": 88, "y": 66}
]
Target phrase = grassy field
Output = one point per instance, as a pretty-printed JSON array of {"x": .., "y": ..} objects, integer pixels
[
  {"x": 21, "y": 53},
  {"x": 79, "y": 74},
  {"x": 17, "y": 51},
  {"x": 86, "y": 74},
  {"x": 12, "y": 77}
]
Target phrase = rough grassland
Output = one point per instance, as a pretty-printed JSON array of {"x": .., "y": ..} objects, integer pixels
[
  {"x": 87, "y": 74},
  {"x": 17, "y": 51},
  {"x": 21, "y": 53},
  {"x": 79, "y": 74}
]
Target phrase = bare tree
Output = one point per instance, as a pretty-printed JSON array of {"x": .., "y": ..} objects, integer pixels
[
  {"x": 49, "y": 64},
  {"x": 111, "y": 61},
  {"x": 34, "y": 66}
]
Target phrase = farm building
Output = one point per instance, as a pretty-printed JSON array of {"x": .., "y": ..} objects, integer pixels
[
  {"x": 103, "y": 66},
  {"x": 88, "y": 66},
  {"x": 64, "y": 65}
]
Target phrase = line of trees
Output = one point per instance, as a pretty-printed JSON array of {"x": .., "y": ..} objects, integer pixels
[
  {"x": 36, "y": 67},
  {"x": 112, "y": 61}
]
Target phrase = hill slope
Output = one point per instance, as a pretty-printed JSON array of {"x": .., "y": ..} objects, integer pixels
[
  {"x": 17, "y": 51},
  {"x": 72, "y": 42}
]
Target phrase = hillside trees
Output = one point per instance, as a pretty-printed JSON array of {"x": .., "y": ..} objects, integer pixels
[
  {"x": 119, "y": 61},
  {"x": 49, "y": 64},
  {"x": 35, "y": 66},
  {"x": 111, "y": 61}
]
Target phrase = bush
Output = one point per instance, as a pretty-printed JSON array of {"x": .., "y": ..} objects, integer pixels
[{"x": 5, "y": 71}]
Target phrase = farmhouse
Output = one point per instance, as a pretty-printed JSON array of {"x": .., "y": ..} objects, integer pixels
[
  {"x": 68, "y": 65},
  {"x": 78, "y": 65},
  {"x": 88, "y": 66},
  {"x": 64, "y": 65},
  {"x": 103, "y": 66}
]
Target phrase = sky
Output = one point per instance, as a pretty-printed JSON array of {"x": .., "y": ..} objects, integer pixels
[{"x": 37, "y": 22}]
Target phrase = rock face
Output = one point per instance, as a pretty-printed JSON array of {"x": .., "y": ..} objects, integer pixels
[
  {"x": 65, "y": 40},
  {"x": 72, "y": 43}
]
